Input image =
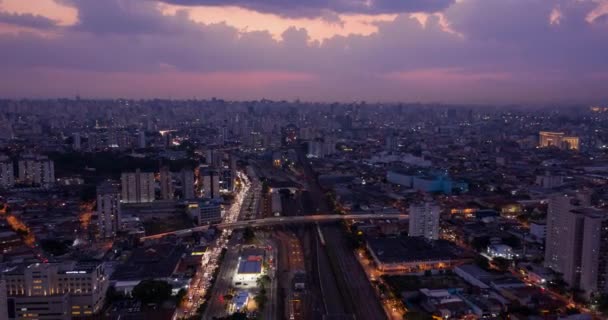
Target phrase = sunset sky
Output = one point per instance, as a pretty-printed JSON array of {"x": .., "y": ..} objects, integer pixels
[{"x": 478, "y": 51}]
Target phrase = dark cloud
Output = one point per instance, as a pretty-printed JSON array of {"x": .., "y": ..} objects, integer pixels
[
  {"x": 27, "y": 20},
  {"x": 316, "y": 8}
]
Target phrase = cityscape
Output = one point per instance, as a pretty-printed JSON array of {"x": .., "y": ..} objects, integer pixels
[{"x": 303, "y": 160}]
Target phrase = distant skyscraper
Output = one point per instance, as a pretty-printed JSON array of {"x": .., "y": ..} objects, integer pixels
[
  {"x": 108, "y": 210},
  {"x": 76, "y": 143},
  {"x": 211, "y": 184},
  {"x": 424, "y": 220},
  {"x": 166, "y": 184},
  {"x": 187, "y": 180},
  {"x": 564, "y": 234},
  {"x": 137, "y": 187},
  {"x": 36, "y": 170},
  {"x": 7, "y": 174},
  {"x": 141, "y": 139}
]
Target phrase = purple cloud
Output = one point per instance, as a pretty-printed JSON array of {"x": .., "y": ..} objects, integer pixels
[
  {"x": 503, "y": 50},
  {"x": 27, "y": 20},
  {"x": 313, "y": 8}
]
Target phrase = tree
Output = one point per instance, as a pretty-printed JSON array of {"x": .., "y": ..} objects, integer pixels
[
  {"x": 248, "y": 235},
  {"x": 482, "y": 262},
  {"x": 152, "y": 291},
  {"x": 501, "y": 264},
  {"x": 263, "y": 281},
  {"x": 179, "y": 297},
  {"x": 261, "y": 299}
]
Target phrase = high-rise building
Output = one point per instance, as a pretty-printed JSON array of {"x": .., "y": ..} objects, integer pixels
[
  {"x": 55, "y": 290},
  {"x": 211, "y": 184},
  {"x": 3, "y": 300},
  {"x": 7, "y": 174},
  {"x": 564, "y": 233},
  {"x": 558, "y": 140},
  {"x": 594, "y": 260},
  {"x": 141, "y": 139},
  {"x": 76, "y": 143},
  {"x": 36, "y": 170},
  {"x": 166, "y": 184},
  {"x": 137, "y": 187},
  {"x": 187, "y": 181},
  {"x": 108, "y": 210},
  {"x": 424, "y": 220}
]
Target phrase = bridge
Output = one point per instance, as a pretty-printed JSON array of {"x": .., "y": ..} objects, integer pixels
[{"x": 266, "y": 222}]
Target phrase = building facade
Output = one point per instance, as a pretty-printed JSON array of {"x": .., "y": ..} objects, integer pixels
[
  {"x": 108, "y": 210},
  {"x": 55, "y": 290},
  {"x": 7, "y": 172},
  {"x": 564, "y": 234},
  {"x": 424, "y": 220},
  {"x": 137, "y": 187},
  {"x": 36, "y": 171}
]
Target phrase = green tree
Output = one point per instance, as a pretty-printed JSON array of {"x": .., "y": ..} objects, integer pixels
[
  {"x": 501, "y": 264},
  {"x": 152, "y": 291},
  {"x": 482, "y": 262},
  {"x": 179, "y": 297},
  {"x": 248, "y": 235}
]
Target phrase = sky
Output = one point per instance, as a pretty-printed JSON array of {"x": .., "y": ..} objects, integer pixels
[{"x": 449, "y": 51}]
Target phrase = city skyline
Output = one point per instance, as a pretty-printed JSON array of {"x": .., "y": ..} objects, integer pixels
[{"x": 466, "y": 51}]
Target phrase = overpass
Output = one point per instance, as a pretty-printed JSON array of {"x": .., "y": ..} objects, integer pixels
[{"x": 266, "y": 222}]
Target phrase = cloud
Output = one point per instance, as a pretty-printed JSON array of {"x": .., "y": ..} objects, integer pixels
[
  {"x": 475, "y": 50},
  {"x": 316, "y": 8},
  {"x": 27, "y": 20}
]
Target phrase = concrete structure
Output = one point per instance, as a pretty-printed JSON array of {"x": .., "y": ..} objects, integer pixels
[
  {"x": 205, "y": 212},
  {"x": 137, "y": 187},
  {"x": 166, "y": 184},
  {"x": 36, "y": 171},
  {"x": 187, "y": 181},
  {"x": 558, "y": 140},
  {"x": 55, "y": 290},
  {"x": 414, "y": 254},
  {"x": 321, "y": 218},
  {"x": 108, "y": 210},
  {"x": 211, "y": 184},
  {"x": 7, "y": 172},
  {"x": 538, "y": 229},
  {"x": 594, "y": 258},
  {"x": 424, "y": 220},
  {"x": 564, "y": 234}
]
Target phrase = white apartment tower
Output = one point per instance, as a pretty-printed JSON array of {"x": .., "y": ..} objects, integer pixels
[
  {"x": 137, "y": 187},
  {"x": 108, "y": 210},
  {"x": 564, "y": 234},
  {"x": 424, "y": 220}
]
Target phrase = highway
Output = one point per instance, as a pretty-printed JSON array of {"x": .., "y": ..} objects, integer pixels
[{"x": 273, "y": 221}]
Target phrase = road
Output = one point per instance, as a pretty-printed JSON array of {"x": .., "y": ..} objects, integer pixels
[
  {"x": 273, "y": 221},
  {"x": 201, "y": 281}
]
